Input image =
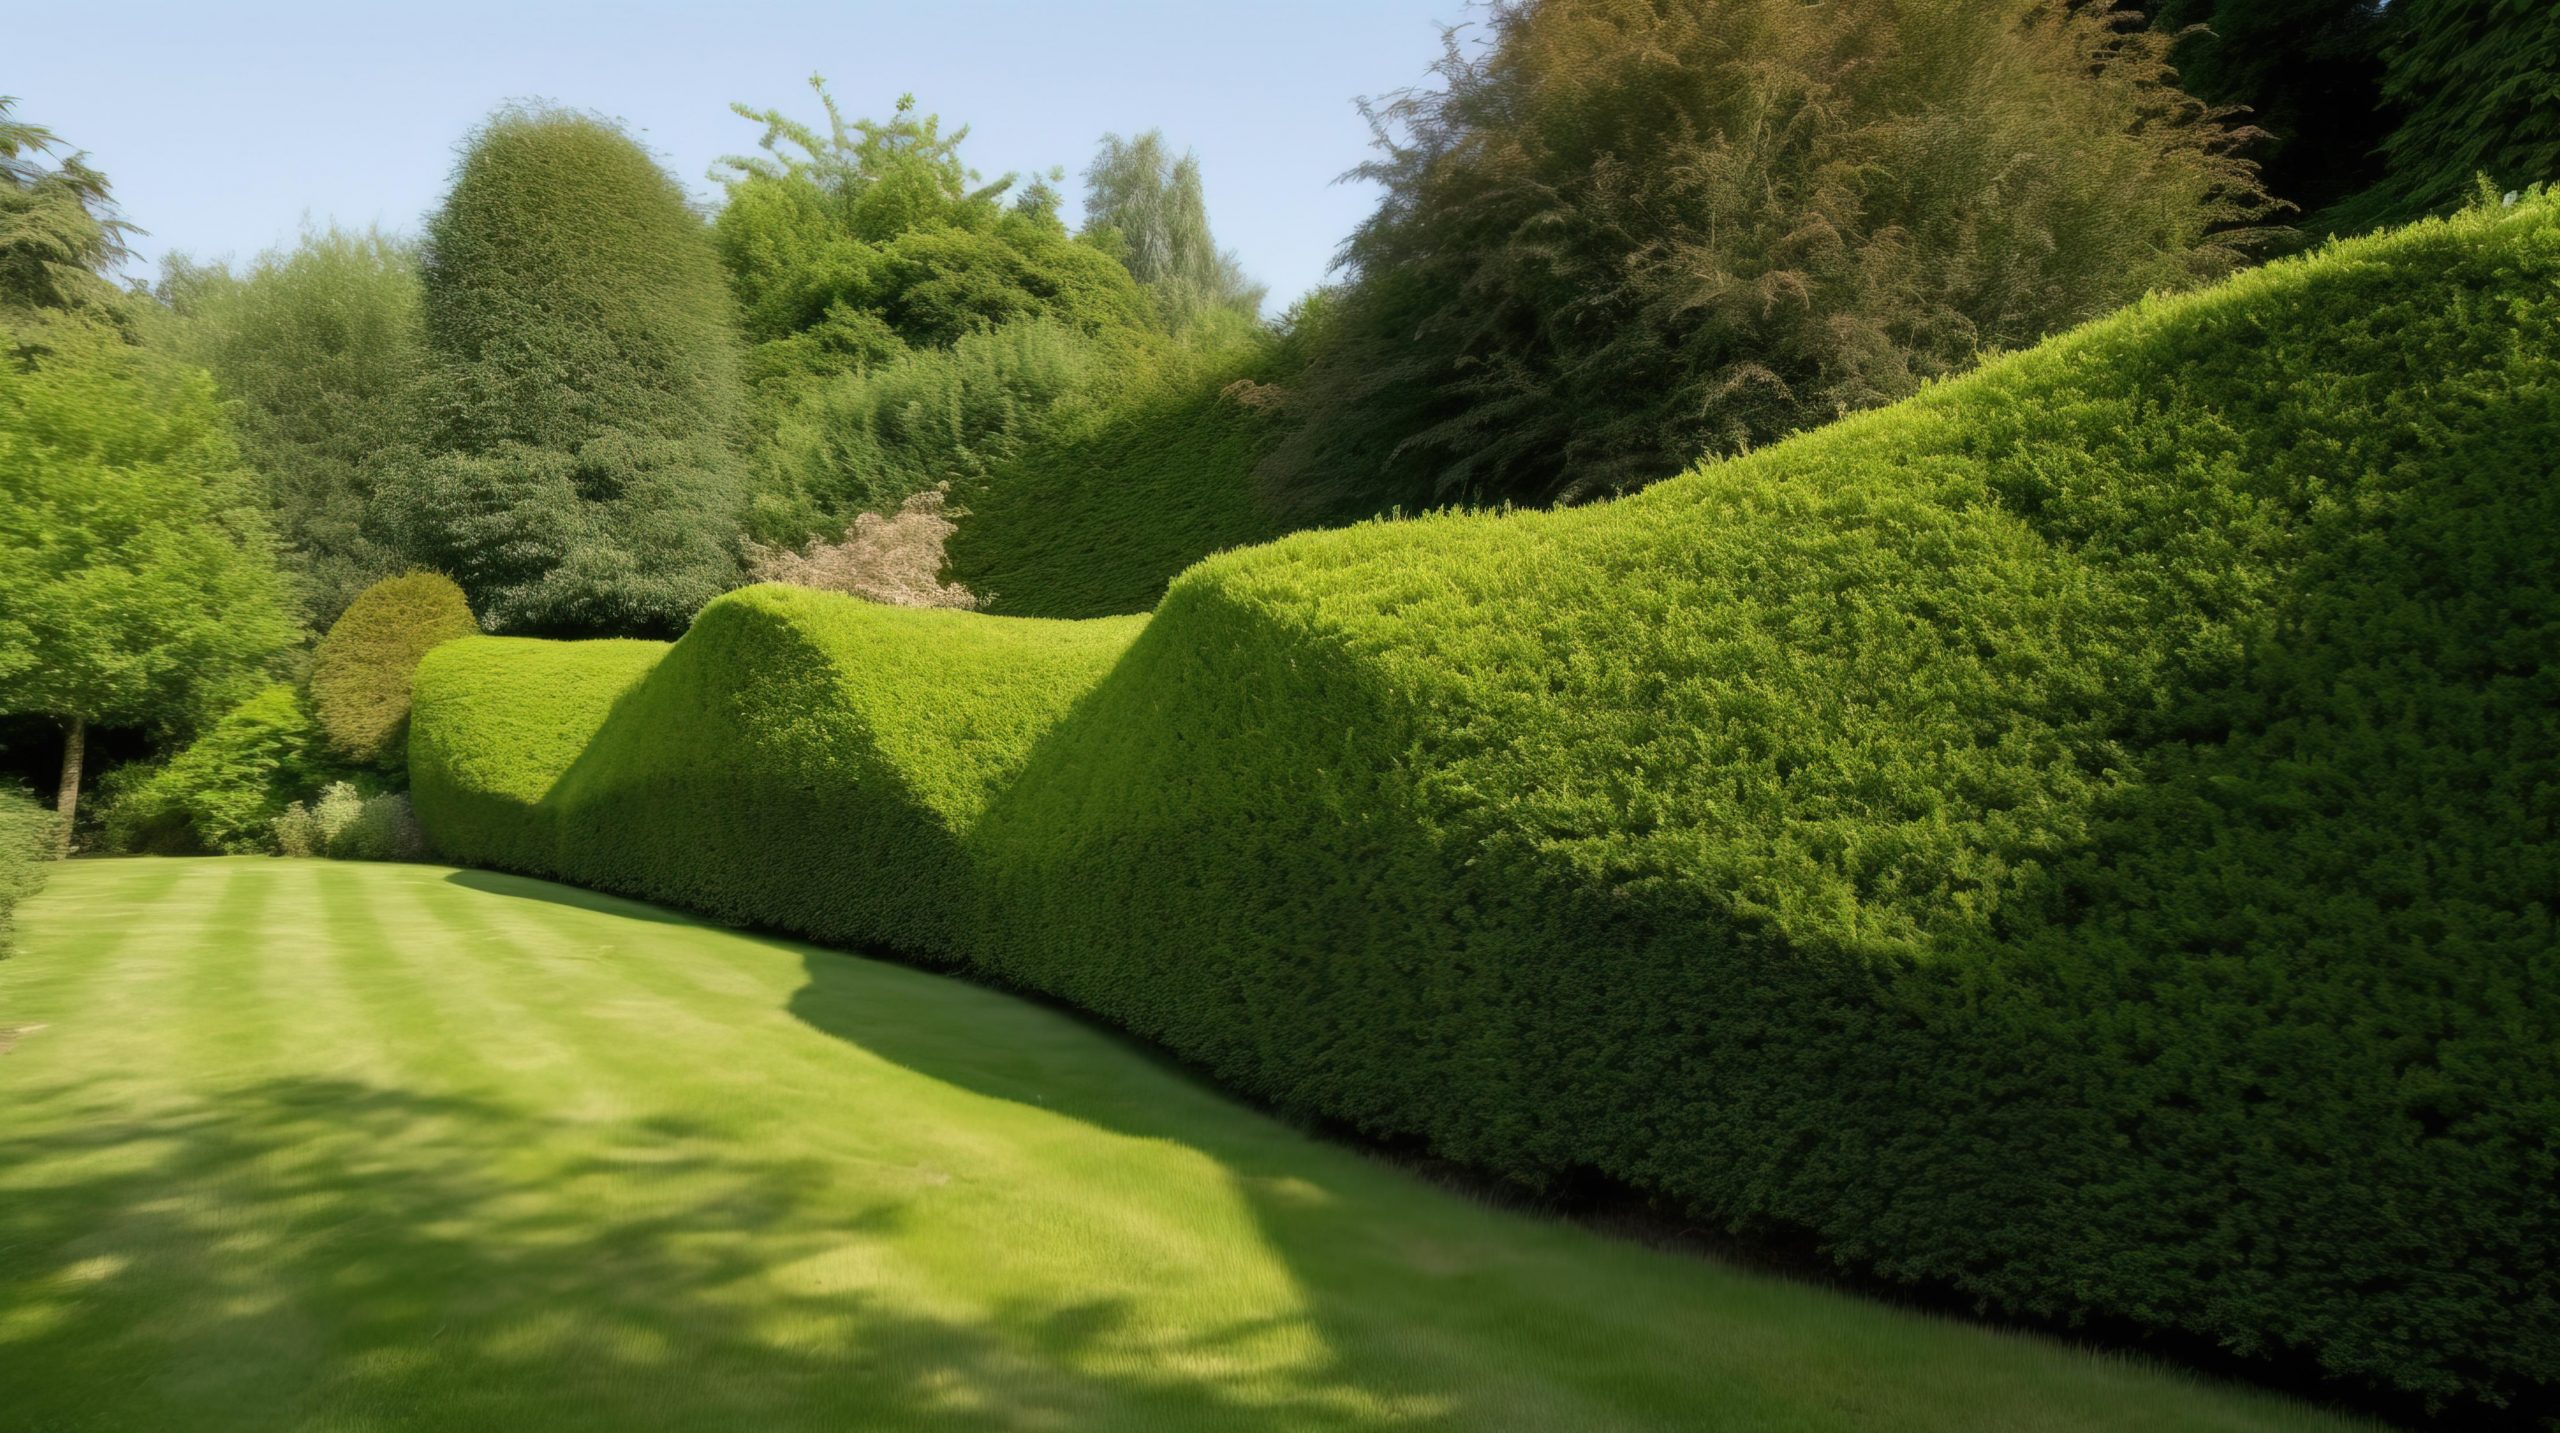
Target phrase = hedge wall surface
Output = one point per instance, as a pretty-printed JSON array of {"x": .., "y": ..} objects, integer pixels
[
  {"x": 30, "y": 839},
  {"x": 2084, "y": 836}
]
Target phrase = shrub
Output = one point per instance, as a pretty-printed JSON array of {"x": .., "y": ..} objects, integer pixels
[
  {"x": 1627, "y": 233},
  {"x": 30, "y": 838},
  {"x": 897, "y": 560},
  {"x": 856, "y": 744},
  {"x": 2082, "y": 837},
  {"x": 345, "y": 824},
  {"x": 379, "y": 828},
  {"x": 360, "y": 671},
  {"x": 867, "y": 441},
  {"x": 223, "y": 791},
  {"x": 297, "y": 832}
]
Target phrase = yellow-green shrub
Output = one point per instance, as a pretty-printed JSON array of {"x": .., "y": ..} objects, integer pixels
[
  {"x": 2084, "y": 837},
  {"x": 360, "y": 671}
]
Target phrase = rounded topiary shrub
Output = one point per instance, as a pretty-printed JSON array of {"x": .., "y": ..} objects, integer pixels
[{"x": 360, "y": 672}]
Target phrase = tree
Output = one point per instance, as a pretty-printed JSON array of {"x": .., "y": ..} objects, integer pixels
[
  {"x": 2472, "y": 91},
  {"x": 319, "y": 350},
  {"x": 854, "y": 243},
  {"x": 580, "y": 388},
  {"x": 59, "y": 229},
  {"x": 138, "y": 584},
  {"x": 1625, "y": 234},
  {"x": 1147, "y": 206},
  {"x": 2307, "y": 72}
]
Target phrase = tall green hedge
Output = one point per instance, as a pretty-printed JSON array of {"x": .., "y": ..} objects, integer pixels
[
  {"x": 30, "y": 838},
  {"x": 2084, "y": 837}
]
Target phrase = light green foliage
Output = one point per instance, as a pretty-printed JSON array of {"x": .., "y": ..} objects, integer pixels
[
  {"x": 59, "y": 230},
  {"x": 1096, "y": 513},
  {"x": 30, "y": 838},
  {"x": 384, "y": 829},
  {"x": 297, "y": 832},
  {"x": 1147, "y": 207},
  {"x": 876, "y": 734},
  {"x": 319, "y": 348},
  {"x": 2081, "y": 837},
  {"x": 497, "y": 744},
  {"x": 360, "y": 671},
  {"x": 852, "y": 244},
  {"x": 1626, "y": 234},
  {"x": 138, "y": 585},
  {"x": 344, "y": 824},
  {"x": 223, "y": 791},
  {"x": 1088, "y": 470},
  {"x": 855, "y": 1195},
  {"x": 582, "y": 380}
]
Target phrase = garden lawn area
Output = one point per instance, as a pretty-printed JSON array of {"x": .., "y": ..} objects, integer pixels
[{"x": 314, "y": 1145}]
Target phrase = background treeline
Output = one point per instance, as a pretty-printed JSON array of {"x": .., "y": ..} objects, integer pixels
[{"x": 1614, "y": 236}]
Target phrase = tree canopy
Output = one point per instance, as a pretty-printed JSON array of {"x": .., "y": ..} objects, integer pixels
[
  {"x": 138, "y": 583},
  {"x": 1622, "y": 235},
  {"x": 59, "y": 226},
  {"x": 577, "y": 473},
  {"x": 851, "y": 242},
  {"x": 1146, "y": 205},
  {"x": 319, "y": 349}
]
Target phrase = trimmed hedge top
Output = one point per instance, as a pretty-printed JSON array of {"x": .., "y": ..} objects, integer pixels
[
  {"x": 360, "y": 671},
  {"x": 2084, "y": 837}
]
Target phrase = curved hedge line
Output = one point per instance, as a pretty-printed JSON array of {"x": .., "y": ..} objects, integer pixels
[{"x": 2085, "y": 836}]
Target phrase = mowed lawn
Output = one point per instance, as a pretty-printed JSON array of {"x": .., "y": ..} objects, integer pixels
[{"x": 301, "y": 1145}]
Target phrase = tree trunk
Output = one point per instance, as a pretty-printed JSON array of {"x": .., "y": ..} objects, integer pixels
[{"x": 75, "y": 742}]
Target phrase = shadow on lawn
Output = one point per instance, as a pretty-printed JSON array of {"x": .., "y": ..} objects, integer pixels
[{"x": 332, "y": 1252}]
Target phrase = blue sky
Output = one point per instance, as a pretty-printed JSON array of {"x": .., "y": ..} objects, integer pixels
[{"x": 223, "y": 126}]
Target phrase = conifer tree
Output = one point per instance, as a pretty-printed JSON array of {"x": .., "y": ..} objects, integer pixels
[{"x": 578, "y": 476}]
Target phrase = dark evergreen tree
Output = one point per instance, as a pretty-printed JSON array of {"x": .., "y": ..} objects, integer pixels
[
  {"x": 2472, "y": 91},
  {"x": 578, "y": 475}
]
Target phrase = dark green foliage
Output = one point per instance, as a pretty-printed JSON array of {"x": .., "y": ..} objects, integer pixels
[
  {"x": 2473, "y": 90},
  {"x": 30, "y": 838},
  {"x": 319, "y": 349},
  {"x": 582, "y": 383},
  {"x": 1628, "y": 233},
  {"x": 1097, "y": 514},
  {"x": 2084, "y": 836},
  {"x": 59, "y": 229},
  {"x": 224, "y": 790},
  {"x": 360, "y": 671},
  {"x": 2308, "y": 73}
]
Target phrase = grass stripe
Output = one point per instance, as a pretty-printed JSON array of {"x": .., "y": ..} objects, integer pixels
[{"x": 336, "y": 1147}]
